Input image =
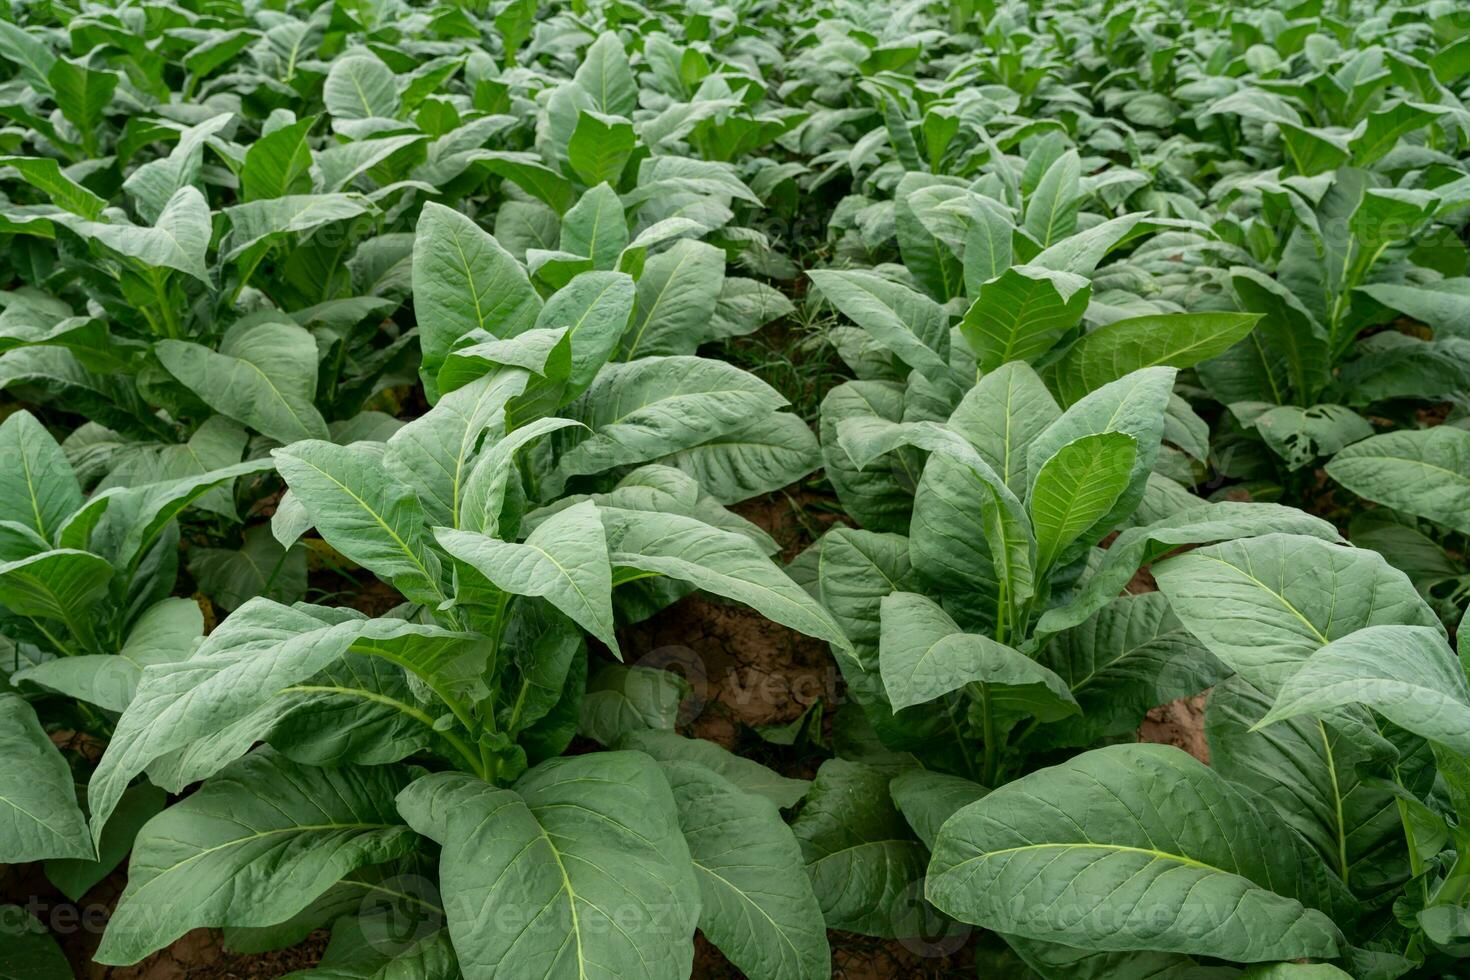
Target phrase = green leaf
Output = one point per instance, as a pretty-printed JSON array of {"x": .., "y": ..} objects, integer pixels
[
  {"x": 744, "y": 774},
  {"x": 600, "y": 147},
  {"x": 719, "y": 561},
  {"x": 44, "y": 174},
  {"x": 259, "y": 567},
  {"x": 1424, "y": 472},
  {"x": 565, "y": 561},
  {"x": 60, "y": 584},
  {"x": 1075, "y": 489},
  {"x": 1002, "y": 415},
  {"x": 435, "y": 453},
  {"x": 927, "y": 799},
  {"x": 360, "y": 87},
  {"x": 1301, "y": 435},
  {"x": 251, "y": 847},
  {"x": 1129, "y": 656},
  {"x": 772, "y": 452},
  {"x": 924, "y": 655},
  {"x": 1134, "y": 405},
  {"x": 220, "y": 701},
  {"x": 622, "y": 700},
  {"x": 1320, "y": 781},
  {"x": 606, "y": 76},
  {"x": 255, "y": 225},
  {"x": 909, "y": 324},
  {"x": 39, "y": 816},
  {"x": 76, "y": 876},
  {"x": 166, "y": 632},
  {"x": 264, "y": 375},
  {"x": 646, "y": 409},
  {"x": 677, "y": 294},
  {"x": 463, "y": 280},
  {"x": 363, "y": 513},
  {"x": 860, "y": 854},
  {"x": 765, "y": 919},
  {"x": 27, "y": 950},
  {"x": 1131, "y": 847},
  {"x": 1408, "y": 674},
  {"x": 1051, "y": 209},
  {"x": 1298, "y": 594},
  {"x": 596, "y": 227},
  {"x": 1179, "y": 340},
  {"x": 585, "y": 851},
  {"x": 178, "y": 240},
  {"x": 82, "y": 94},
  {"x": 37, "y": 487},
  {"x": 1022, "y": 314},
  {"x": 28, "y": 53}
]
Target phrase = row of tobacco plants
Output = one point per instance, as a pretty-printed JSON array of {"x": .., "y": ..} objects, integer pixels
[{"x": 367, "y": 366}]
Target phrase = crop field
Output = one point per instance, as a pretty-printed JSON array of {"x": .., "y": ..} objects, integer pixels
[{"x": 772, "y": 489}]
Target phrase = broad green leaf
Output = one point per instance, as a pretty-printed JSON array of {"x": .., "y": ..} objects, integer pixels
[
  {"x": 923, "y": 655},
  {"x": 360, "y": 87},
  {"x": 77, "y": 876},
  {"x": 255, "y": 225},
  {"x": 1301, "y": 435},
  {"x": 1002, "y": 415},
  {"x": 124, "y": 522},
  {"x": 1022, "y": 314},
  {"x": 44, "y": 174},
  {"x": 82, "y": 94},
  {"x": 1318, "y": 779},
  {"x": 1051, "y": 209},
  {"x": 719, "y": 561},
  {"x": 1131, "y": 847},
  {"x": 605, "y": 75},
  {"x": 909, "y": 324},
  {"x": 744, "y": 774},
  {"x": 226, "y": 690},
  {"x": 178, "y": 240},
  {"x": 63, "y": 583},
  {"x": 646, "y": 409},
  {"x": 622, "y": 701},
  {"x": 37, "y": 486},
  {"x": 583, "y": 852},
  {"x": 927, "y": 799},
  {"x": 264, "y": 375},
  {"x": 564, "y": 560},
  {"x": 1075, "y": 488},
  {"x": 1178, "y": 340},
  {"x": 600, "y": 147},
  {"x": 860, "y": 854},
  {"x": 279, "y": 163},
  {"x": 1128, "y": 657},
  {"x": 1134, "y": 405},
  {"x": 365, "y": 514},
  {"x": 1201, "y": 523},
  {"x": 435, "y": 453},
  {"x": 464, "y": 280},
  {"x": 166, "y": 632},
  {"x": 596, "y": 227},
  {"x": 39, "y": 816},
  {"x": 231, "y": 577},
  {"x": 1424, "y": 472},
  {"x": 765, "y": 919},
  {"x": 1408, "y": 674},
  {"x": 1298, "y": 594},
  {"x": 772, "y": 452},
  {"x": 677, "y": 293},
  {"x": 27, "y": 950},
  {"x": 251, "y": 847}
]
